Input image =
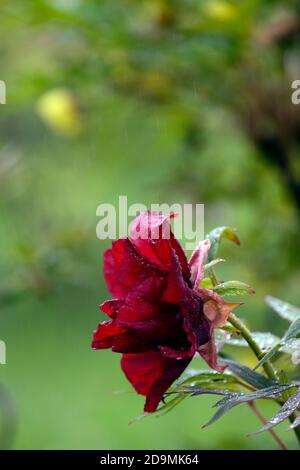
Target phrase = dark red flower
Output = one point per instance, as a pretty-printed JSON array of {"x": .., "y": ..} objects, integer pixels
[{"x": 159, "y": 317}]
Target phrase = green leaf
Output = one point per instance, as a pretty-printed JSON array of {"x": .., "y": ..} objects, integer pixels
[
  {"x": 286, "y": 410},
  {"x": 283, "y": 309},
  {"x": 166, "y": 407},
  {"x": 255, "y": 379},
  {"x": 233, "y": 288},
  {"x": 292, "y": 332},
  {"x": 215, "y": 237},
  {"x": 264, "y": 340},
  {"x": 213, "y": 263},
  {"x": 207, "y": 391},
  {"x": 283, "y": 379},
  {"x": 268, "y": 355},
  {"x": 203, "y": 378},
  {"x": 295, "y": 423},
  {"x": 206, "y": 283},
  {"x": 291, "y": 346},
  {"x": 235, "y": 399},
  {"x": 194, "y": 375}
]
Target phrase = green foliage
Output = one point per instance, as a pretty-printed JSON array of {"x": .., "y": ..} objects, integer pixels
[
  {"x": 233, "y": 400},
  {"x": 248, "y": 375},
  {"x": 287, "y": 410},
  {"x": 283, "y": 309},
  {"x": 292, "y": 332},
  {"x": 233, "y": 288},
  {"x": 215, "y": 236}
]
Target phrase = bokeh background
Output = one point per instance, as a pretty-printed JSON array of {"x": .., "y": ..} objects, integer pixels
[{"x": 162, "y": 101}]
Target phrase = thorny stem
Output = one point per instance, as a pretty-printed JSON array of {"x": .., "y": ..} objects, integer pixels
[
  {"x": 268, "y": 367},
  {"x": 263, "y": 420}
]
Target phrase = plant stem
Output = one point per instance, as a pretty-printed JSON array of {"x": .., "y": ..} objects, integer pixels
[
  {"x": 268, "y": 367},
  {"x": 246, "y": 334},
  {"x": 263, "y": 420}
]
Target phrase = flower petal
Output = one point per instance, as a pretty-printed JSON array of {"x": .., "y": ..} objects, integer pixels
[
  {"x": 215, "y": 308},
  {"x": 124, "y": 268},
  {"x": 104, "y": 335},
  {"x": 151, "y": 374},
  {"x": 176, "y": 286},
  {"x": 209, "y": 353},
  {"x": 195, "y": 324},
  {"x": 151, "y": 234},
  {"x": 159, "y": 330},
  {"x": 143, "y": 303},
  {"x": 112, "y": 307},
  {"x": 197, "y": 261}
]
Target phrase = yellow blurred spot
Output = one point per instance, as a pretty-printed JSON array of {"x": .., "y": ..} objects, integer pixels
[
  {"x": 155, "y": 85},
  {"x": 58, "y": 109},
  {"x": 220, "y": 11}
]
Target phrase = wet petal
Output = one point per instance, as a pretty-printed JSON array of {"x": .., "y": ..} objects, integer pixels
[
  {"x": 151, "y": 375},
  {"x": 124, "y": 268},
  {"x": 104, "y": 335},
  {"x": 152, "y": 235},
  {"x": 112, "y": 307},
  {"x": 195, "y": 323},
  {"x": 144, "y": 302}
]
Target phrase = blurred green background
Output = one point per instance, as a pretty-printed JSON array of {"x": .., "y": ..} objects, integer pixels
[{"x": 162, "y": 101}]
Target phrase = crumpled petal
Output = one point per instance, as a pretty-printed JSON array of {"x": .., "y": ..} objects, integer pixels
[
  {"x": 160, "y": 330},
  {"x": 151, "y": 234},
  {"x": 104, "y": 335},
  {"x": 151, "y": 374},
  {"x": 216, "y": 311},
  {"x": 112, "y": 307},
  {"x": 197, "y": 261},
  {"x": 215, "y": 308},
  {"x": 209, "y": 353},
  {"x": 124, "y": 268},
  {"x": 144, "y": 303}
]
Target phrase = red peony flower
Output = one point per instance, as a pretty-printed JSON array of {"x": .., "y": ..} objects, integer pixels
[{"x": 160, "y": 318}]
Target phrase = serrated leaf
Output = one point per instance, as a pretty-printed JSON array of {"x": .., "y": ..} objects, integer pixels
[
  {"x": 202, "y": 379},
  {"x": 207, "y": 391},
  {"x": 283, "y": 309},
  {"x": 233, "y": 288},
  {"x": 286, "y": 410},
  {"x": 292, "y": 332},
  {"x": 264, "y": 340},
  {"x": 255, "y": 379},
  {"x": 230, "y": 402},
  {"x": 198, "y": 376},
  {"x": 268, "y": 355},
  {"x": 215, "y": 237},
  {"x": 295, "y": 424},
  {"x": 291, "y": 346}
]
